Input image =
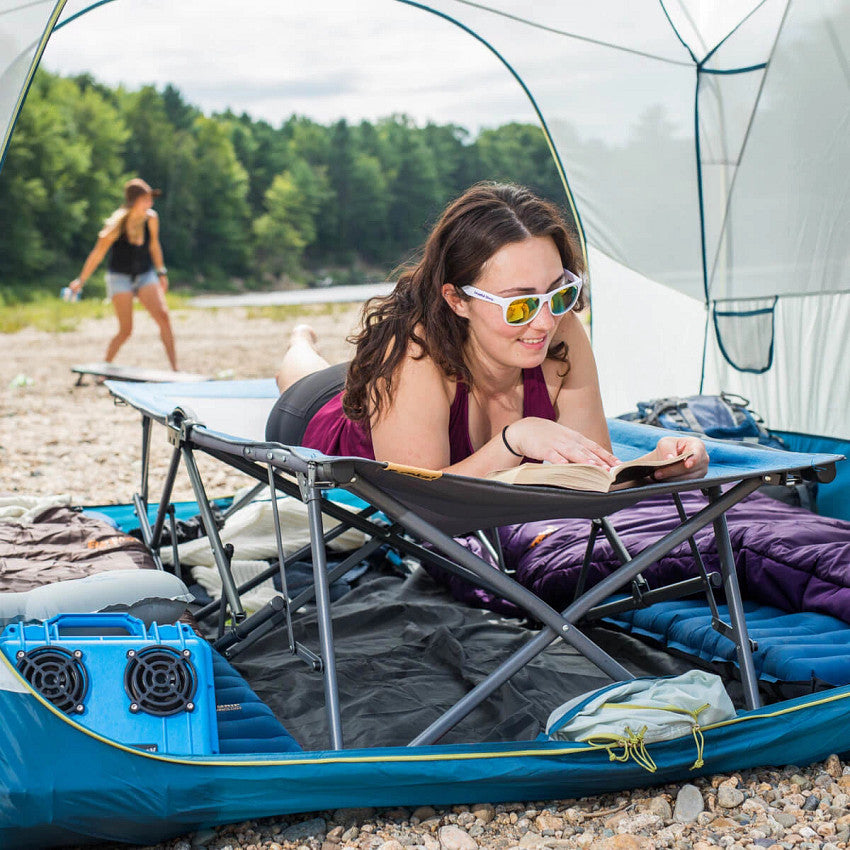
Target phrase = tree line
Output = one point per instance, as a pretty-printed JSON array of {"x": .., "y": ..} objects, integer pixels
[{"x": 242, "y": 199}]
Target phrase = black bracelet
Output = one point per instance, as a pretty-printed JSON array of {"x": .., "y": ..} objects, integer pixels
[{"x": 507, "y": 444}]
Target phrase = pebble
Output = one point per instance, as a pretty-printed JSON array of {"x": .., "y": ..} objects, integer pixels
[
  {"x": 454, "y": 838},
  {"x": 689, "y": 804},
  {"x": 729, "y": 797},
  {"x": 316, "y": 827},
  {"x": 483, "y": 812}
]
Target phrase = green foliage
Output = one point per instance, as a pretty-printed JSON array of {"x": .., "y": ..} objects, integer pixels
[
  {"x": 59, "y": 178},
  {"x": 221, "y": 193},
  {"x": 289, "y": 224},
  {"x": 242, "y": 199}
]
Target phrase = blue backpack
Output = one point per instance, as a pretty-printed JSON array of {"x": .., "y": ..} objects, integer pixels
[{"x": 724, "y": 417}]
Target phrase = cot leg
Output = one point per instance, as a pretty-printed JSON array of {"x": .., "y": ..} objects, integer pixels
[
  {"x": 749, "y": 679},
  {"x": 165, "y": 498},
  {"x": 175, "y": 553},
  {"x": 146, "y": 457},
  {"x": 248, "y": 497},
  {"x": 697, "y": 556},
  {"x": 588, "y": 556},
  {"x": 489, "y": 538},
  {"x": 313, "y": 499},
  {"x": 222, "y": 560},
  {"x": 281, "y": 557},
  {"x": 145, "y": 528}
]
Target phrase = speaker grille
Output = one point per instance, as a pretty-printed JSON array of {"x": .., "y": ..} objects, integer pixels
[
  {"x": 58, "y": 675},
  {"x": 160, "y": 681}
]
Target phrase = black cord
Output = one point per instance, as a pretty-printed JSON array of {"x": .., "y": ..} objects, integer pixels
[{"x": 507, "y": 444}]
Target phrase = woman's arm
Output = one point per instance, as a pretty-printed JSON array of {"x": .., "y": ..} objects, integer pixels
[
  {"x": 156, "y": 250},
  {"x": 413, "y": 429},
  {"x": 578, "y": 404},
  {"x": 103, "y": 244}
]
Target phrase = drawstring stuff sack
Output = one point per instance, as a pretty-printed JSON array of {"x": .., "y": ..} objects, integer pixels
[{"x": 624, "y": 717}]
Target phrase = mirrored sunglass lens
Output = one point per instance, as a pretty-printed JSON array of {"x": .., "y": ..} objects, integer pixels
[
  {"x": 522, "y": 310},
  {"x": 564, "y": 300}
]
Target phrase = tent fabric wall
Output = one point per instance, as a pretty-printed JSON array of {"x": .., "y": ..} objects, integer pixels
[
  {"x": 24, "y": 30},
  {"x": 704, "y": 145},
  {"x": 787, "y": 231}
]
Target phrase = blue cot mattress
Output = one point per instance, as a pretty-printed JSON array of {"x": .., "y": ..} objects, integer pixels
[{"x": 799, "y": 647}]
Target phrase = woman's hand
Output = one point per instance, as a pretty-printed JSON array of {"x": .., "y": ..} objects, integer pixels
[
  {"x": 694, "y": 466},
  {"x": 543, "y": 439},
  {"x": 163, "y": 282},
  {"x": 75, "y": 286}
]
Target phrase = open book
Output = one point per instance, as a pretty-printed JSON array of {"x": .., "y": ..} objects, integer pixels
[{"x": 585, "y": 476}]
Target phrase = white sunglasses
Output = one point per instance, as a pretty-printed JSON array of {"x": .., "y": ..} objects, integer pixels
[{"x": 520, "y": 310}]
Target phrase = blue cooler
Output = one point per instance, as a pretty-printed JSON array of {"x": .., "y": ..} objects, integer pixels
[{"x": 150, "y": 688}]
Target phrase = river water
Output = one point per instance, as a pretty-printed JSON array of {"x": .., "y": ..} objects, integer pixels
[{"x": 324, "y": 295}]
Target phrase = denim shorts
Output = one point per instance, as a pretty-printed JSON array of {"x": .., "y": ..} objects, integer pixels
[{"x": 117, "y": 282}]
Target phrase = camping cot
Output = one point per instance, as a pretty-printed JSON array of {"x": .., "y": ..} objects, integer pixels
[{"x": 227, "y": 422}]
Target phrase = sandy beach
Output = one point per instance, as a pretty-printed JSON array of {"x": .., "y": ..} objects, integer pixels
[{"x": 58, "y": 438}]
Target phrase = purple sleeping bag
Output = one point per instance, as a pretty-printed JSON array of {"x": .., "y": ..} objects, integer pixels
[{"x": 784, "y": 555}]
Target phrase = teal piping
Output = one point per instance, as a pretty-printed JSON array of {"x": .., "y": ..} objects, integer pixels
[{"x": 80, "y": 13}]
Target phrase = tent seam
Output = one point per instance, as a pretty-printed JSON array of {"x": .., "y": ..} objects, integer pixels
[
  {"x": 564, "y": 33},
  {"x": 552, "y": 148},
  {"x": 747, "y": 136}
]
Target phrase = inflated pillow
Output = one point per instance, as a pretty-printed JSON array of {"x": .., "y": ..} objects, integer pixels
[{"x": 150, "y": 595}]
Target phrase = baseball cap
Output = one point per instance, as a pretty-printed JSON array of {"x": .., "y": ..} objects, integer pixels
[{"x": 135, "y": 188}]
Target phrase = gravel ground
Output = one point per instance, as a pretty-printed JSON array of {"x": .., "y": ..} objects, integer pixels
[
  {"x": 59, "y": 438},
  {"x": 56, "y": 437},
  {"x": 808, "y": 809}
]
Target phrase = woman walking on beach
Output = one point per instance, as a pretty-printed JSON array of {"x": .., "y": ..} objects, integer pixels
[
  {"x": 474, "y": 362},
  {"x": 136, "y": 266}
]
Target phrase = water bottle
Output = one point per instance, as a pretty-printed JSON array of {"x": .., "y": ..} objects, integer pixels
[{"x": 68, "y": 294}]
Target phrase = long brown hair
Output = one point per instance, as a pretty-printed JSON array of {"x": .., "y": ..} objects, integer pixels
[{"x": 472, "y": 229}]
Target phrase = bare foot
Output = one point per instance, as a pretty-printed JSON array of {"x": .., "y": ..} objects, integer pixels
[
  {"x": 304, "y": 333},
  {"x": 301, "y": 358}
]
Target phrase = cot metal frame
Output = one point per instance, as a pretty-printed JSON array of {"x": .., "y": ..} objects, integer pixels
[{"x": 410, "y": 513}]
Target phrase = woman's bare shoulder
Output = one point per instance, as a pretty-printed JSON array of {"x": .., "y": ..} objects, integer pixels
[{"x": 418, "y": 371}]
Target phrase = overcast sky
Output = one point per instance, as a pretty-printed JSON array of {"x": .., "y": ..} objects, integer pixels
[{"x": 347, "y": 58}]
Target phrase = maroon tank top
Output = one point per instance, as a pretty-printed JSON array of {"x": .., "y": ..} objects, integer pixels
[{"x": 332, "y": 433}]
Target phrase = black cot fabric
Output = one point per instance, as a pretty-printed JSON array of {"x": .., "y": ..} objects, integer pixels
[{"x": 297, "y": 405}]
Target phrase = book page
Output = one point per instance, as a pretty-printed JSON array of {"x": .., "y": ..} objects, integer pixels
[
  {"x": 643, "y": 467},
  {"x": 585, "y": 476},
  {"x": 577, "y": 476}
]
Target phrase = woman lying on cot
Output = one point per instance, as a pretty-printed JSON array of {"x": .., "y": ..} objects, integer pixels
[{"x": 474, "y": 362}]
